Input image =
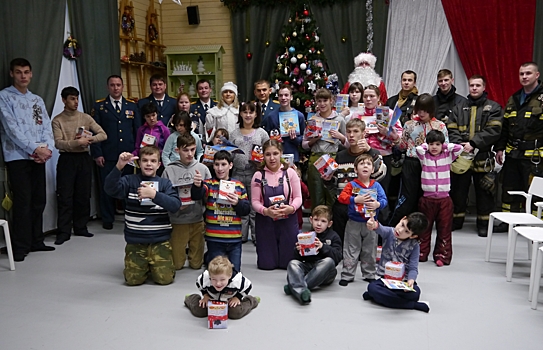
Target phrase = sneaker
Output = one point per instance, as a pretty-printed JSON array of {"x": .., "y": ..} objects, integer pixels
[
  {"x": 306, "y": 296},
  {"x": 422, "y": 306},
  {"x": 439, "y": 263},
  {"x": 344, "y": 283},
  {"x": 286, "y": 289}
]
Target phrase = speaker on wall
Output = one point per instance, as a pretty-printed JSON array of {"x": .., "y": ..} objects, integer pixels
[{"x": 193, "y": 15}]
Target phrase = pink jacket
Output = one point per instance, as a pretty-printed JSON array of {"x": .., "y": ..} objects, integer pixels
[{"x": 436, "y": 170}]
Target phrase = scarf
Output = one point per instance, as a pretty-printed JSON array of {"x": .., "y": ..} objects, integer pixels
[{"x": 403, "y": 95}]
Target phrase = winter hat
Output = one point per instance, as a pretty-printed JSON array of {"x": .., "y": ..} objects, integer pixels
[
  {"x": 230, "y": 86},
  {"x": 365, "y": 57}
]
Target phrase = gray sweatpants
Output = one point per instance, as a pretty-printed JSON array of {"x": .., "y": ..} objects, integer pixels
[{"x": 359, "y": 242}]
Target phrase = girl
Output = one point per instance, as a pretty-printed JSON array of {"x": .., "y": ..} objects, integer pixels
[
  {"x": 355, "y": 97},
  {"x": 276, "y": 223},
  {"x": 245, "y": 137},
  {"x": 225, "y": 113},
  {"x": 385, "y": 139},
  {"x": 414, "y": 134},
  {"x": 181, "y": 121},
  {"x": 153, "y": 127}
]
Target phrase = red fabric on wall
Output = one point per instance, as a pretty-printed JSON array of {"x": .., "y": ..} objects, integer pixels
[{"x": 493, "y": 38}]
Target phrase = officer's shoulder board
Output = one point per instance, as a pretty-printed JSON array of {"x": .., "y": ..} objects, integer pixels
[
  {"x": 100, "y": 100},
  {"x": 193, "y": 102},
  {"x": 130, "y": 100},
  {"x": 275, "y": 101},
  {"x": 215, "y": 101}
]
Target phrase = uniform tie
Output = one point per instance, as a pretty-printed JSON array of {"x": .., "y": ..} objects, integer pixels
[
  {"x": 263, "y": 108},
  {"x": 117, "y": 109}
]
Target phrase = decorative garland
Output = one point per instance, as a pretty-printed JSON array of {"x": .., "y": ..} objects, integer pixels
[
  {"x": 72, "y": 50},
  {"x": 240, "y": 5},
  {"x": 369, "y": 25}
]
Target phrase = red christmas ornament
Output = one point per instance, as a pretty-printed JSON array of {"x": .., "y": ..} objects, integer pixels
[
  {"x": 306, "y": 13},
  {"x": 307, "y": 37},
  {"x": 287, "y": 83},
  {"x": 249, "y": 55}
]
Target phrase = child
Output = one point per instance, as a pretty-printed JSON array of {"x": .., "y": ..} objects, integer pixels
[
  {"x": 74, "y": 168},
  {"x": 153, "y": 127},
  {"x": 414, "y": 134},
  {"x": 147, "y": 229},
  {"x": 355, "y": 97},
  {"x": 217, "y": 136},
  {"x": 187, "y": 222},
  {"x": 248, "y": 134},
  {"x": 181, "y": 122},
  {"x": 436, "y": 157},
  {"x": 305, "y": 273},
  {"x": 222, "y": 283},
  {"x": 318, "y": 193},
  {"x": 359, "y": 241},
  {"x": 223, "y": 221},
  {"x": 358, "y": 145},
  {"x": 399, "y": 245},
  {"x": 292, "y": 142}
]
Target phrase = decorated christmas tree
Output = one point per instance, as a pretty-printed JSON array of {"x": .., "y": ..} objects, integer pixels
[{"x": 301, "y": 62}]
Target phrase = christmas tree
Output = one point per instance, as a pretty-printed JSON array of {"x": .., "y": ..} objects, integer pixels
[{"x": 301, "y": 62}]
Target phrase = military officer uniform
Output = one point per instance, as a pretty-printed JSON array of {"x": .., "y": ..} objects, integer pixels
[
  {"x": 198, "y": 114},
  {"x": 268, "y": 109},
  {"x": 166, "y": 108},
  {"x": 120, "y": 124}
]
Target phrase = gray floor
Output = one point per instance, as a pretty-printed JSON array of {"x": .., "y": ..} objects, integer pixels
[{"x": 74, "y": 298}]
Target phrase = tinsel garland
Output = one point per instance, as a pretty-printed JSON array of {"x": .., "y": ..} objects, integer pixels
[
  {"x": 240, "y": 5},
  {"x": 369, "y": 25}
]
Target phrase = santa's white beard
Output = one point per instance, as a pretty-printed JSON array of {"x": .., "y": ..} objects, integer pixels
[{"x": 365, "y": 76}]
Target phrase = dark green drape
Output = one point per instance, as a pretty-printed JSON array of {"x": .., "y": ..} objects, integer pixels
[
  {"x": 538, "y": 35},
  {"x": 33, "y": 29},
  {"x": 265, "y": 24},
  {"x": 349, "y": 20},
  {"x": 95, "y": 25}
]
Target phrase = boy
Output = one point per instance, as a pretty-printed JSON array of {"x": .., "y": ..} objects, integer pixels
[
  {"x": 318, "y": 193},
  {"x": 359, "y": 241},
  {"x": 223, "y": 221},
  {"x": 305, "y": 273},
  {"x": 400, "y": 245},
  {"x": 147, "y": 229},
  {"x": 292, "y": 142},
  {"x": 358, "y": 145},
  {"x": 222, "y": 283},
  {"x": 187, "y": 222},
  {"x": 436, "y": 158},
  {"x": 74, "y": 167}
]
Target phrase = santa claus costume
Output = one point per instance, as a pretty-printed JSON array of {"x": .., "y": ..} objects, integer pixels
[{"x": 365, "y": 74}]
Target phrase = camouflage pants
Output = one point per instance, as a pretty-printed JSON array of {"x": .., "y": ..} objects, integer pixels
[{"x": 155, "y": 259}]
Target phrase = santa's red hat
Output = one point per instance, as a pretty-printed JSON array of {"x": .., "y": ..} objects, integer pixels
[{"x": 365, "y": 57}]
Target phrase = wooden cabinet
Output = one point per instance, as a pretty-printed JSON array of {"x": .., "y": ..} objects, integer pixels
[{"x": 186, "y": 65}]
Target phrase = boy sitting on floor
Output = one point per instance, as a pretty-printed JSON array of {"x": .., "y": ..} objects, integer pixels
[{"x": 305, "y": 273}]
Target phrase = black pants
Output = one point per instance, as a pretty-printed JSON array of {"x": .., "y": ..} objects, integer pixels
[
  {"x": 459, "y": 194},
  {"x": 27, "y": 182},
  {"x": 410, "y": 190},
  {"x": 340, "y": 217},
  {"x": 74, "y": 179},
  {"x": 517, "y": 176}
]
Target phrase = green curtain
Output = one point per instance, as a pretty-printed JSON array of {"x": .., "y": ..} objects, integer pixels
[
  {"x": 538, "y": 35},
  {"x": 33, "y": 29},
  {"x": 95, "y": 25},
  {"x": 348, "y": 20},
  {"x": 259, "y": 24}
]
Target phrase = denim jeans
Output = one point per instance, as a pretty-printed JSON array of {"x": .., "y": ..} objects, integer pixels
[
  {"x": 231, "y": 250},
  {"x": 309, "y": 275}
]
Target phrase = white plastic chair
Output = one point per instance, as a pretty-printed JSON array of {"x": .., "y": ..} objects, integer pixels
[
  {"x": 534, "y": 235},
  {"x": 515, "y": 219},
  {"x": 535, "y": 279},
  {"x": 5, "y": 226}
]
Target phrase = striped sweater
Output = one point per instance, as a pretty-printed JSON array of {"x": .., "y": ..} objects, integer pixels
[
  {"x": 436, "y": 170},
  {"x": 223, "y": 221},
  {"x": 238, "y": 286},
  {"x": 143, "y": 224}
]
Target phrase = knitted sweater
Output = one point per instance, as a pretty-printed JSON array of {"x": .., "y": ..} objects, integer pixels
[
  {"x": 436, "y": 170},
  {"x": 65, "y": 127},
  {"x": 223, "y": 221},
  {"x": 245, "y": 143},
  {"x": 143, "y": 224}
]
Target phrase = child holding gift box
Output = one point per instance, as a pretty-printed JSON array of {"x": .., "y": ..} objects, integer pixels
[
  {"x": 223, "y": 221},
  {"x": 305, "y": 273},
  {"x": 364, "y": 197},
  {"x": 221, "y": 282},
  {"x": 400, "y": 245},
  {"x": 436, "y": 157}
]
